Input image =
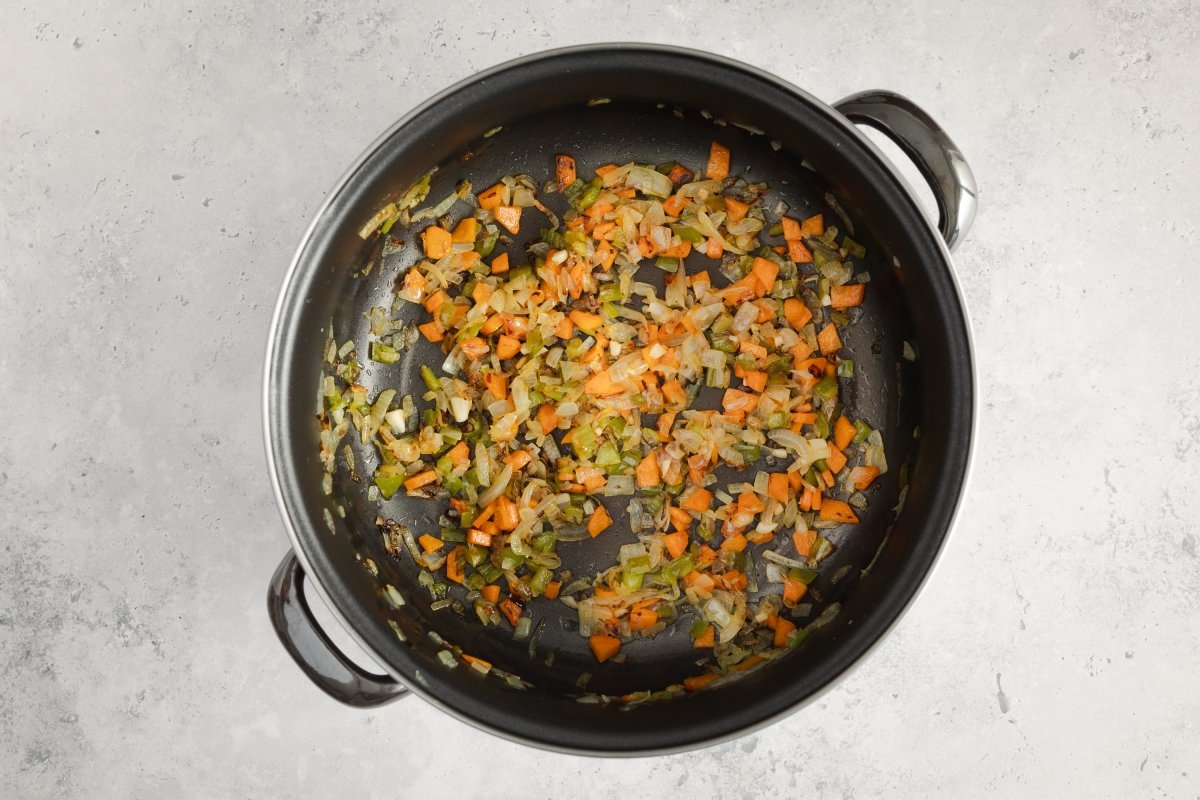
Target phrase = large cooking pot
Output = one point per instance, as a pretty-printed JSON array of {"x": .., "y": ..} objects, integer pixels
[{"x": 663, "y": 104}]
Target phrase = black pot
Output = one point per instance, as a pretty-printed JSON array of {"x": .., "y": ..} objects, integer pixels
[{"x": 806, "y": 149}]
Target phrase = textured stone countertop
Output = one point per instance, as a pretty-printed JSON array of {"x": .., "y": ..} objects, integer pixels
[{"x": 158, "y": 163}]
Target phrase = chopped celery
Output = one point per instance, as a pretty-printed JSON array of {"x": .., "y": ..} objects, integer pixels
[
  {"x": 539, "y": 581},
  {"x": 861, "y": 431},
  {"x": 826, "y": 388},
  {"x": 487, "y": 244},
  {"x": 431, "y": 380},
  {"x": 589, "y": 195},
  {"x": 383, "y": 353}
]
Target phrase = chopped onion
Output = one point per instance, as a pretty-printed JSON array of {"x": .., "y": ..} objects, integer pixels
[{"x": 498, "y": 486}]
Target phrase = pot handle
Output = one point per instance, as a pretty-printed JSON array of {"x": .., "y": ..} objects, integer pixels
[
  {"x": 939, "y": 160},
  {"x": 322, "y": 662}
]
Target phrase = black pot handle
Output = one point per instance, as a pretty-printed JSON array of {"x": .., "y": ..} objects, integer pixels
[
  {"x": 322, "y": 662},
  {"x": 939, "y": 160}
]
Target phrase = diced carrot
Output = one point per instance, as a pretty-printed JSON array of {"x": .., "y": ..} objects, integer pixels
[
  {"x": 500, "y": 264},
  {"x": 492, "y": 197},
  {"x": 607, "y": 254},
  {"x": 642, "y": 618},
  {"x": 497, "y": 384},
  {"x": 828, "y": 478},
  {"x": 749, "y": 502},
  {"x": 837, "y": 511},
  {"x": 706, "y": 639},
  {"x": 843, "y": 432},
  {"x": 565, "y": 329},
  {"x": 604, "y": 169},
  {"x": 753, "y": 348},
  {"x": 735, "y": 210},
  {"x": 676, "y": 543},
  {"x": 432, "y": 331},
  {"x": 791, "y": 229},
  {"x": 518, "y": 460},
  {"x": 454, "y": 564},
  {"x": 481, "y": 293},
  {"x": 680, "y": 518},
  {"x": 509, "y": 217},
  {"x": 420, "y": 479},
  {"x": 735, "y": 400},
  {"x": 507, "y": 517},
  {"x": 796, "y": 313},
  {"x": 798, "y": 253},
  {"x": 599, "y": 521},
  {"x": 547, "y": 417},
  {"x": 586, "y": 321},
  {"x": 795, "y": 481},
  {"x": 507, "y": 347},
  {"x": 734, "y": 544},
  {"x": 740, "y": 290},
  {"x": 511, "y": 611},
  {"x": 681, "y": 250},
  {"x": 862, "y": 477},
  {"x": 813, "y": 226},
  {"x": 804, "y": 541},
  {"x": 473, "y": 347},
  {"x": 494, "y": 323},
  {"x": 435, "y": 301},
  {"x": 601, "y": 385},
  {"x": 459, "y": 454},
  {"x": 604, "y": 646},
  {"x": 665, "y": 421},
  {"x": 598, "y": 210},
  {"x": 718, "y": 162},
  {"x": 847, "y": 296},
  {"x": 713, "y": 248},
  {"x": 783, "y": 631},
  {"x": 552, "y": 590},
  {"x": 564, "y": 171},
  {"x": 764, "y": 271},
  {"x": 694, "y": 683},
  {"x": 755, "y": 379},
  {"x": 516, "y": 327},
  {"x": 836, "y": 459},
  {"x": 675, "y": 204},
  {"x": 465, "y": 231},
  {"x": 479, "y": 538},
  {"x": 777, "y": 486},
  {"x": 647, "y": 473},
  {"x": 490, "y": 592},
  {"x": 429, "y": 543},
  {"x": 435, "y": 240},
  {"x": 700, "y": 500},
  {"x": 673, "y": 392},
  {"x": 680, "y": 175},
  {"x": 768, "y": 309},
  {"x": 828, "y": 340},
  {"x": 793, "y": 591}
]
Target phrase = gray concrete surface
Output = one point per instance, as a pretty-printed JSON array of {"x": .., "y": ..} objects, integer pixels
[{"x": 157, "y": 165}]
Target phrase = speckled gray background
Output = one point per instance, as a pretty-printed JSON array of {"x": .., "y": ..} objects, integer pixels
[{"x": 157, "y": 165}]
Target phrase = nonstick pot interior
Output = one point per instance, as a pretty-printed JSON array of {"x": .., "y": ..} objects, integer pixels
[{"x": 661, "y": 105}]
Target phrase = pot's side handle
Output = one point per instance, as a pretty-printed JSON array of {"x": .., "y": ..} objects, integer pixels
[
  {"x": 318, "y": 657},
  {"x": 934, "y": 153}
]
